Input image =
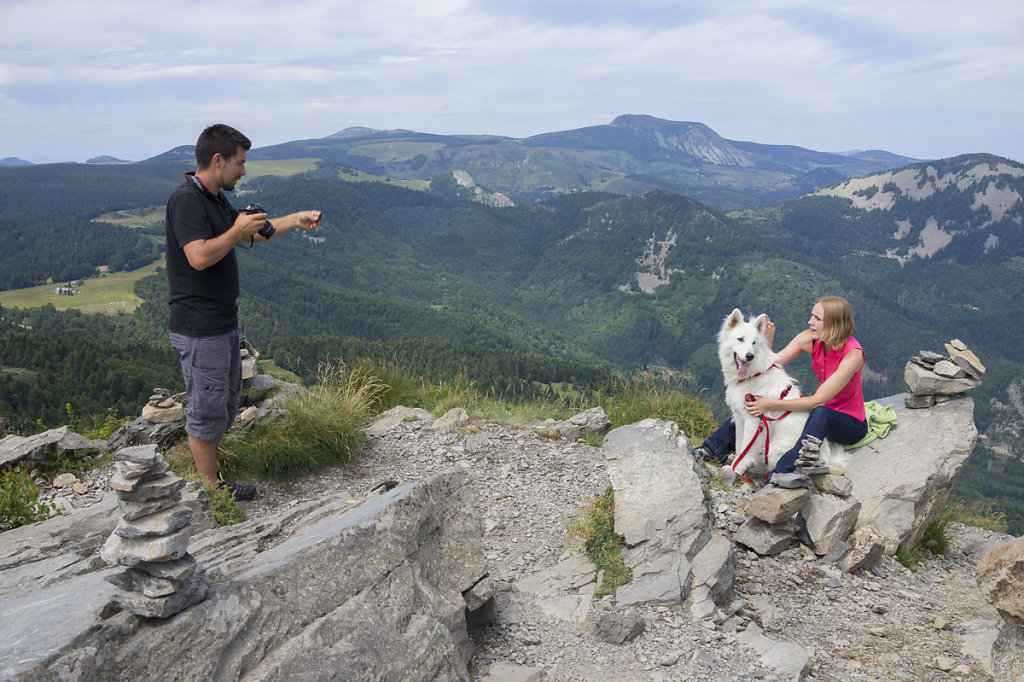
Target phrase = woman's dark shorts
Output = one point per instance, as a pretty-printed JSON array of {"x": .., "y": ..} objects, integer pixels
[{"x": 212, "y": 367}]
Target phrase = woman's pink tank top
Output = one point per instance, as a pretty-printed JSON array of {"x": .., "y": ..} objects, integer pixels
[{"x": 850, "y": 400}]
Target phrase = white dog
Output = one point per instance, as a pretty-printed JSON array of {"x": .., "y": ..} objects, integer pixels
[{"x": 749, "y": 367}]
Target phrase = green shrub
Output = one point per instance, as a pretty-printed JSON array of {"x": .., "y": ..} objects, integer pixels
[
  {"x": 19, "y": 501},
  {"x": 76, "y": 462},
  {"x": 323, "y": 427},
  {"x": 594, "y": 532},
  {"x": 103, "y": 428}
]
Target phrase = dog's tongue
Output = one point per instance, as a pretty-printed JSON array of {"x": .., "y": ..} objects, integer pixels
[{"x": 741, "y": 367}]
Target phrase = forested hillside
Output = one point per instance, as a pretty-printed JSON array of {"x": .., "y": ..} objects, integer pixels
[
  {"x": 569, "y": 290},
  {"x": 46, "y": 212},
  {"x": 564, "y": 277},
  {"x": 629, "y": 281},
  {"x": 65, "y": 367},
  {"x": 942, "y": 240}
]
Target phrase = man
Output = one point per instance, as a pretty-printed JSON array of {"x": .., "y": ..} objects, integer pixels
[{"x": 202, "y": 232}]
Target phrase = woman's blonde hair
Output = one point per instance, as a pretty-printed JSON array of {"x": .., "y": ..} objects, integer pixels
[{"x": 837, "y": 321}]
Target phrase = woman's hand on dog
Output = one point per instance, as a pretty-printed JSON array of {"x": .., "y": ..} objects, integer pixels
[{"x": 756, "y": 405}]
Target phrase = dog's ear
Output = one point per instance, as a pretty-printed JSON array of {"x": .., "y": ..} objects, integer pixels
[
  {"x": 760, "y": 322},
  {"x": 734, "y": 318}
]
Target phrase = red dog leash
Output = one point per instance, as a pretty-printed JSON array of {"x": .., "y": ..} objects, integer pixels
[{"x": 763, "y": 426}]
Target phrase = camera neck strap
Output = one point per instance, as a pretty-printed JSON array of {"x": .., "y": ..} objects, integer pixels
[{"x": 201, "y": 188}]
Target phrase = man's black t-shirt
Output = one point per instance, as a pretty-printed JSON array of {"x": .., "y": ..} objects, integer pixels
[{"x": 203, "y": 302}]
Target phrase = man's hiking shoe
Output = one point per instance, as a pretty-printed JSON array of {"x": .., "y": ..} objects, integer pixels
[{"x": 242, "y": 492}]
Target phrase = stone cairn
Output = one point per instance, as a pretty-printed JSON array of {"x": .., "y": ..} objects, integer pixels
[
  {"x": 935, "y": 378},
  {"x": 813, "y": 507},
  {"x": 151, "y": 539},
  {"x": 163, "y": 408}
]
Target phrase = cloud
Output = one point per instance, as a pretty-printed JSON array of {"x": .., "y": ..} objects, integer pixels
[{"x": 900, "y": 75}]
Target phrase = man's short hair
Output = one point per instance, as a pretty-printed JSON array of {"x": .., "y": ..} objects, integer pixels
[{"x": 219, "y": 139}]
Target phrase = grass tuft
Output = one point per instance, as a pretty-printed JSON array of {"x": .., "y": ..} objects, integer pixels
[
  {"x": 977, "y": 513},
  {"x": 908, "y": 556},
  {"x": 594, "y": 533},
  {"x": 936, "y": 540},
  {"x": 323, "y": 427},
  {"x": 638, "y": 397},
  {"x": 226, "y": 511}
]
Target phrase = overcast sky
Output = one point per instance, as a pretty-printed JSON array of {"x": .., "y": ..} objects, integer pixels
[{"x": 926, "y": 79}]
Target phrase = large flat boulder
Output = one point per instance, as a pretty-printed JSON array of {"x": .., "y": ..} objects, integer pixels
[
  {"x": 902, "y": 481},
  {"x": 330, "y": 589},
  {"x": 662, "y": 509}
]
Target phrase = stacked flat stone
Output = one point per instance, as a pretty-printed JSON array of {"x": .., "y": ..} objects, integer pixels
[
  {"x": 933, "y": 377},
  {"x": 809, "y": 461},
  {"x": 250, "y": 359},
  {"x": 151, "y": 539},
  {"x": 162, "y": 408}
]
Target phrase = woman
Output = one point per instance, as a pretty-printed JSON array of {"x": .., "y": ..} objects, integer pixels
[{"x": 837, "y": 407}]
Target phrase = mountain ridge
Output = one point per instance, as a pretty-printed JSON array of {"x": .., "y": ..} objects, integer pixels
[{"x": 635, "y": 152}]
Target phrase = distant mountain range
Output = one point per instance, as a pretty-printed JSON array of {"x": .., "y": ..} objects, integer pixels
[
  {"x": 631, "y": 154},
  {"x": 14, "y": 161}
]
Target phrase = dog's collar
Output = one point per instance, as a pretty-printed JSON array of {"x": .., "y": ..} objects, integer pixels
[{"x": 774, "y": 365}]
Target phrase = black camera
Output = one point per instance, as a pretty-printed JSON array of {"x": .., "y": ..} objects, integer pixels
[{"x": 267, "y": 230}]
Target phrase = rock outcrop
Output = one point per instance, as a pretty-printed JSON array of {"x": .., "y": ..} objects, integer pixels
[
  {"x": 894, "y": 486},
  {"x": 904, "y": 480},
  {"x": 593, "y": 421},
  {"x": 495, "y": 199},
  {"x": 45, "y": 447},
  {"x": 663, "y": 513},
  {"x": 1001, "y": 578},
  {"x": 330, "y": 589}
]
